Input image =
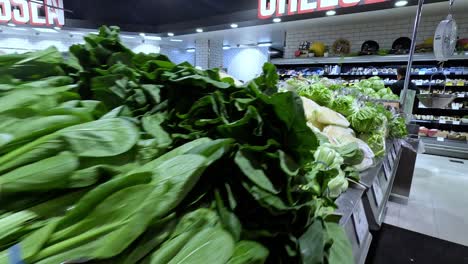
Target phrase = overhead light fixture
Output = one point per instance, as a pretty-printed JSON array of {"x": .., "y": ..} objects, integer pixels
[
  {"x": 45, "y": 30},
  {"x": 142, "y": 35},
  {"x": 276, "y": 20},
  {"x": 190, "y": 50},
  {"x": 176, "y": 40},
  {"x": 20, "y": 29},
  {"x": 264, "y": 44},
  {"x": 199, "y": 30},
  {"x": 153, "y": 38},
  {"x": 330, "y": 13},
  {"x": 170, "y": 34},
  {"x": 401, "y": 3},
  {"x": 226, "y": 47},
  {"x": 234, "y": 26},
  {"x": 11, "y": 25},
  {"x": 127, "y": 37},
  {"x": 57, "y": 28}
]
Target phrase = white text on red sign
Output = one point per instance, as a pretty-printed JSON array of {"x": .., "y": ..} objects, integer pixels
[
  {"x": 270, "y": 8},
  {"x": 30, "y": 12}
]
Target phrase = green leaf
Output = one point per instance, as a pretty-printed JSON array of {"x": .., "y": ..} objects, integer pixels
[
  {"x": 45, "y": 175},
  {"x": 205, "y": 247},
  {"x": 252, "y": 170},
  {"x": 340, "y": 251},
  {"x": 101, "y": 138},
  {"x": 312, "y": 244},
  {"x": 249, "y": 252}
]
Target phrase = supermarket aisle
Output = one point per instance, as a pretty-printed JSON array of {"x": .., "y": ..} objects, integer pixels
[{"x": 438, "y": 204}]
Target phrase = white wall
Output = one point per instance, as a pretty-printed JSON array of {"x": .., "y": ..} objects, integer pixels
[
  {"x": 245, "y": 63},
  {"x": 382, "y": 31}
]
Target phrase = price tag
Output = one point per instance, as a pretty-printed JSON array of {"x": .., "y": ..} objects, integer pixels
[
  {"x": 449, "y": 84},
  {"x": 378, "y": 193},
  {"x": 460, "y": 95},
  {"x": 390, "y": 162},
  {"x": 456, "y": 122},
  {"x": 422, "y": 73},
  {"x": 460, "y": 83},
  {"x": 442, "y": 122},
  {"x": 441, "y": 139},
  {"x": 387, "y": 172},
  {"x": 455, "y": 107},
  {"x": 360, "y": 222}
]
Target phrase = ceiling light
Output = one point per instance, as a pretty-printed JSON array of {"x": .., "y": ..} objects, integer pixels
[
  {"x": 11, "y": 25},
  {"x": 176, "y": 40},
  {"x": 276, "y": 20},
  {"x": 153, "y": 38},
  {"x": 199, "y": 30},
  {"x": 142, "y": 35},
  {"x": 127, "y": 37},
  {"x": 190, "y": 50},
  {"x": 20, "y": 29},
  {"x": 401, "y": 3},
  {"x": 331, "y": 13},
  {"x": 57, "y": 28},
  {"x": 264, "y": 44},
  {"x": 170, "y": 34},
  {"x": 45, "y": 30},
  {"x": 234, "y": 26},
  {"x": 226, "y": 47}
]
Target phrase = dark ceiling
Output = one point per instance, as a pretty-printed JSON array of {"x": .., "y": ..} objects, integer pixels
[
  {"x": 152, "y": 12},
  {"x": 183, "y": 16}
]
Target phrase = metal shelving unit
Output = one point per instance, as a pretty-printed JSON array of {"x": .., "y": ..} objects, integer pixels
[{"x": 362, "y": 59}]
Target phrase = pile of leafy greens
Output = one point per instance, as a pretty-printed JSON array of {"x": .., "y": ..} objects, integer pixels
[
  {"x": 117, "y": 157},
  {"x": 370, "y": 120}
]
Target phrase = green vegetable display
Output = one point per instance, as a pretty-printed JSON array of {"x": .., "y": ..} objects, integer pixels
[
  {"x": 131, "y": 158},
  {"x": 371, "y": 121}
]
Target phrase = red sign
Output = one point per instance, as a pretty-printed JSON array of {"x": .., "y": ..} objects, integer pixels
[
  {"x": 270, "y": 8},
  {"x": 29, "y": 12}
]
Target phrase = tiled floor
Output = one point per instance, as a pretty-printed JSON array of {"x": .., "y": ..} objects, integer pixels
[{"x": 438, "y": 204}]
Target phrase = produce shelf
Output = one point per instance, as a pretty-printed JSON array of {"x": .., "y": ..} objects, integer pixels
[
  {"x": 361, "y": 59},
  {"x": 462, "y": 127},
  {"x": 447, "y": 148},
  {"x": 442, "y": 112}
]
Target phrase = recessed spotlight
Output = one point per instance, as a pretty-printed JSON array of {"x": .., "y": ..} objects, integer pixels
[
  {"x": 264, "y": 44},
  {"x": 190, "y": 50},
  {"x": 142, "y": 35},
  {"x": 234, "y": 26},
  {"x": 170, "y": 34},
  {"x": 11, "y": 25},
  {"x": 401, "y": 3},
  {"x": 199, "y": 30},
  {"x": 176, "y": 40},
  {"x": 45, "y": 30},
  {"x": 330, "y": 13},
  {"x": 276, "y": 20},
  {"x": 153, "y": 38},
  {"x": 226, "y": 47}
]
